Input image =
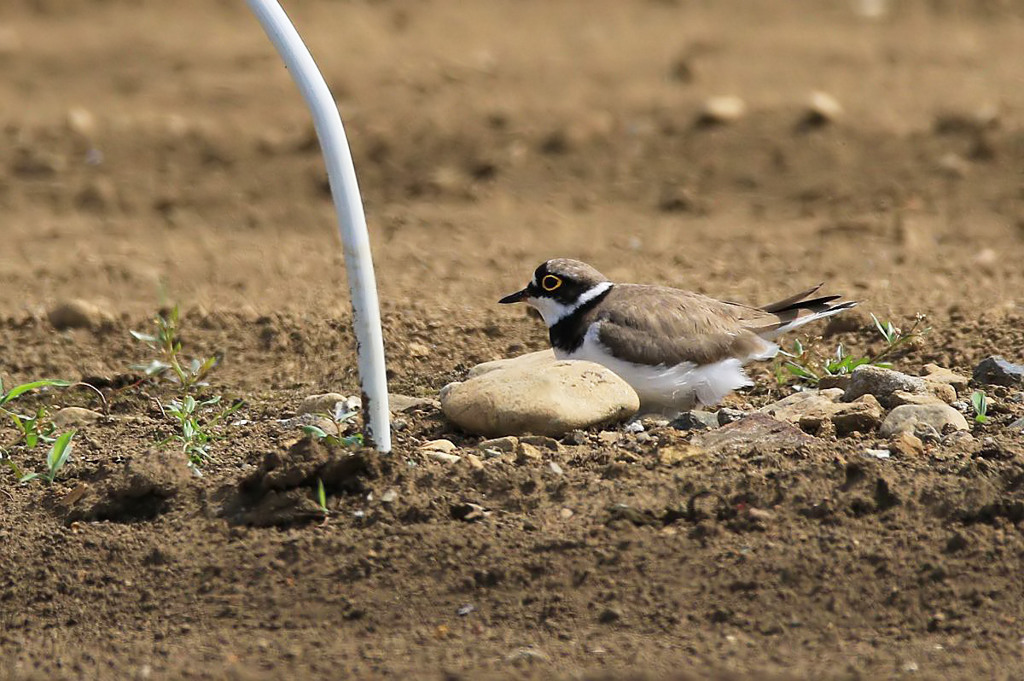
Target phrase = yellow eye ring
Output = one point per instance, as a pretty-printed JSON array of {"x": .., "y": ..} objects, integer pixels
[{"x": 550, "y": 282}]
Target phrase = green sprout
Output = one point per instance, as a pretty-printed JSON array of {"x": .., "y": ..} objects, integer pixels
[
  {"x": 34, "y": 429},
  {"x": 194, "y": 425},
  {"x": 188, "y": 374},
  {"x": 342, "y": 419},
  {"x": 60, "y": 452},
  {"x": 321, "y": 495},
  {"x": 806, "y": 364},
  {"x": 980, "y": 404}
]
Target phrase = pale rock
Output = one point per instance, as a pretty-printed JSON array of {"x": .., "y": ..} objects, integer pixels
[
  {"x": 399, "y": 404},
  {"x": 444, "y": 457},
  {"x": 863, "y": 415},
  {"x": 905, "y": 443},
  {"x": 805, "y": 404},
  {"x": 473, "y": 461},
  {"x": 78, "y": 314},
  {"x": 812, "y": 409},
  {"x": 937, "y": 374},
  {"x": 75, "y": 416},
  {"x": 324, "y": 403},
  {"x": 538, "y": 395},
  {"x": 505, "y": 445},
  {"x": 944, "y": 392},
  {"x": 82, "y": 122},
  {"x": 722, "y": 110},
  {"x": 527, "y": 453},
  {"x": 900, "y": 397},
  {"x": 909, "y": 416},
  {"x": 438, "y": 446},
  {"x": 417, "y": 350},
  {"x": 539, "y": 359},
  {"x": 822, "y": 108}
]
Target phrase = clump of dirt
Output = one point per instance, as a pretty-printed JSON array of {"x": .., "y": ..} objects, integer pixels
[
  {"x": 282, "y": 490},
  {"x": 143, "y": 488}
]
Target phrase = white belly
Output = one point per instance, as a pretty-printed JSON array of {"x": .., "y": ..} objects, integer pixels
[{"x": 667, "y": 388}]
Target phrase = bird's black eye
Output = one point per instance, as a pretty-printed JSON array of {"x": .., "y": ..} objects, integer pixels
[{"x": 550, "y": 282}]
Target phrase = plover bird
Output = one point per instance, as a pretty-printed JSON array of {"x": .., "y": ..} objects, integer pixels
[{"x": 676, "y": 348}]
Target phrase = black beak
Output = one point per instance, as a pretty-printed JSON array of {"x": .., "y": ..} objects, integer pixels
[{"x": 517, "y": 297}]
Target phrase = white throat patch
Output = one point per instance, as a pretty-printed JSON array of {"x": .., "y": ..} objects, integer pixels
[{"x": 553, "y": 311}]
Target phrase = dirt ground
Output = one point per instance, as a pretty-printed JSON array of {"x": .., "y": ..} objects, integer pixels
[{"x": 154, "y": 153}]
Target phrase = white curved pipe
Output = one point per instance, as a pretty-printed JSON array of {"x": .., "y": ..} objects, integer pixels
[{"x": 351, "y": 220}]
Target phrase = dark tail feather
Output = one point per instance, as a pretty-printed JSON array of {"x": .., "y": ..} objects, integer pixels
[
  {"x": 797, "y": 310},
  {"x": 788, "y": 302}
]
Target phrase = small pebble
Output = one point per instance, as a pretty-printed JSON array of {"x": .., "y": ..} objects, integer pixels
[
  {"x": 444, "y": 457},
  {"x": 438, "y": 446},
  {"x": 722, "y": 110}
]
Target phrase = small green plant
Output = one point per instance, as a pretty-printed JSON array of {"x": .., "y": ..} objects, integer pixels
[
  {"x": 195, "y": 422},
  {"x": 342, "y": 419},
  {"x": 321, "y": 495},
  {"x": 188, "y": 374},
  {"x": 194, "y": 418},
  {"x": 33, "y": 430},
  {"x": 980, "y": 404},
  {"x": 806, "y": 363},
  {"x": 60, "y": 452},
  {"x": 19, "y": 390}
]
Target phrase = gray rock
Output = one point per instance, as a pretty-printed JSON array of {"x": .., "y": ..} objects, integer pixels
[
  {"x": 909, "y": 418},
  {"x": 1017, "y": 425},
  {"x": 539, "y": 395},
  {"x": 727, "y": 415},
  {"x": 757, "y": 431},
  {"x": 998, "y": 371},
  {"x": 695, "y": 420},
  {"x": 882, "y": 383}
]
